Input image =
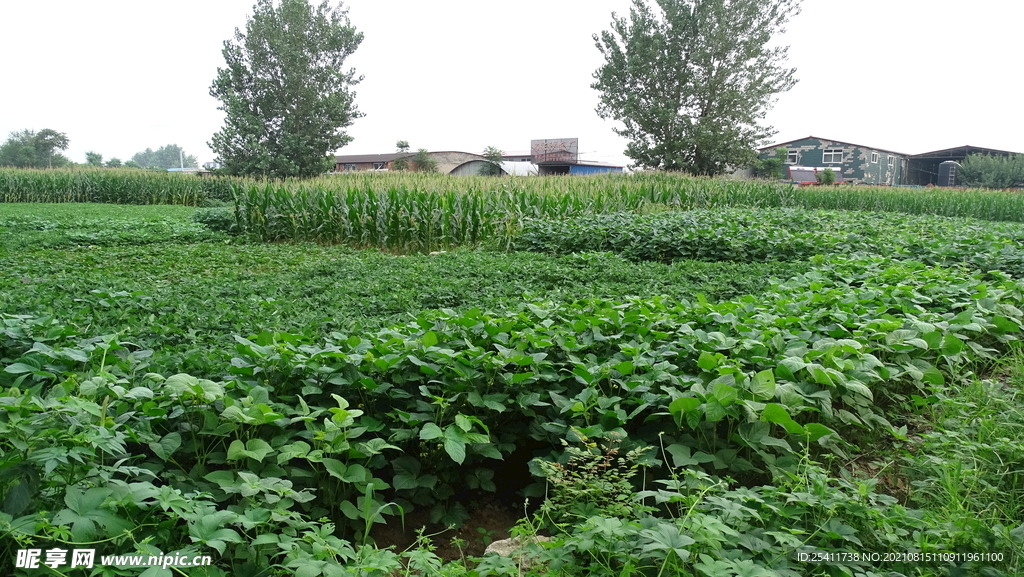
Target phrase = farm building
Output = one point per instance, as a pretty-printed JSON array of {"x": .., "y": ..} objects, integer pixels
[
  {"x": 448, "y": 162},
  {"x": 854, "y": 162},
  {"x": 558, "y": 156},
  {"x": 866, "y": 165},
  {"x": 927, "y": 168},
  {"x": 562, "y": 156}
]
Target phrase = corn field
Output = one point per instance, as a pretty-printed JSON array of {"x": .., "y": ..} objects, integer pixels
[
  {"x": 409, "y": 212},
  {"x": 415, "y": 212},
  {"x": 106, "y": 185}
]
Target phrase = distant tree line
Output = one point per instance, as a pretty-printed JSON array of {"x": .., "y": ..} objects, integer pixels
[{"x": 31, "y": 149}]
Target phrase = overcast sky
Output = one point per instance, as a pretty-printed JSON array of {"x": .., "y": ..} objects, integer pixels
[{"x": 118, "y": 76}]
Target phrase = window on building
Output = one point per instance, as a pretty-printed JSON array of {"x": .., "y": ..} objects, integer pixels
[
  {"x": 378, "y": 166},
  {"x": 792, "y": 156},
  {"x": 350, "y": 167},
  {"x": 832, "y": 156},
  {"x": 874, "y": 158},
  {"x": 892, "y": 161}
]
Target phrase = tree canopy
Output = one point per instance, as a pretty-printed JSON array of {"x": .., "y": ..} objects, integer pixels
[
  {"x": 423, "y": 162},
  {"x": 285, "y": 92},
  {"x": 990, "y": 171},
  {"x": 401, "y": 163},
  {"x": 167, "y": 156},
  {"x": 493, "y": 157},
  {"x": 30, "y": 149},
  {"x": 691, "y": 81}
]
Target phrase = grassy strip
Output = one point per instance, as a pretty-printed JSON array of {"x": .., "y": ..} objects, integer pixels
[{"x": 963, "y": 458}]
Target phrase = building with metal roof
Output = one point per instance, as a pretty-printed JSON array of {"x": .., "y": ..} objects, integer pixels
[
  {"x": 448, "y": 162},
  {"x": 856, "y": 163},
  {"x": 553, "y": 156},
  {"x": 925, "y": 167},
  {"x": 860, "y": 164}
]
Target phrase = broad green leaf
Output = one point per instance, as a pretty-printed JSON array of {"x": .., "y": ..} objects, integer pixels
[
  {"x": 456, "y": 449},
  {"x": 237, "y": 450},
  {"x": 356, "y": 473},
  {"x": 763, "y": 385},
  {"x": 714, "y": 411},
  {"x": 222, "y": 478},
  {"x": 816, "y": 431},
  {"x": 254, "y": 449},
  {"x": 788, "y": 367},
  {"x": 430, "y": 431},
  {"x": 350, "y": 510},
  {"x": 707, "y": 361},
  {"x": 166, "y": 446},
  {"x": 951, "y": 345},
  {"x": 683, "y": 405},
  {"x": 682, "y": 457},
  {"x": 429, "y": 339},
  {"x": 725, "y": 394},
  {"x": 859, "y": 388},
  {"x": 335, "y": 468},
  {"x": 777, "y": 414},
  {"x": 293, "y": 450},
  {"x": 19, "y": 368}
]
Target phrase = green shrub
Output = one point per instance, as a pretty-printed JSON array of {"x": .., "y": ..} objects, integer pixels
[
  {"x": 826, "y": 176},
  {"x": 220, "y": 219},
  {"x": 986, "y": 171}
]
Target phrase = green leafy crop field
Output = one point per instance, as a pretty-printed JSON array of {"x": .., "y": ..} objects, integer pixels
[{"x": 659, "y": 375}]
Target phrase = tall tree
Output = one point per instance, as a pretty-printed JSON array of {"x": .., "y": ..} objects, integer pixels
[
  {"x": 690, "y": 82},
  {"x": 93, "y": 158},
  {"x": 30, "y": 149},
  {"x": 47, "y": 140},
  {"x": 286, "y": 96}
]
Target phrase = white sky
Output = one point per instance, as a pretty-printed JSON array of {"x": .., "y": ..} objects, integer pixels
[{"x": 118, "y": 76}]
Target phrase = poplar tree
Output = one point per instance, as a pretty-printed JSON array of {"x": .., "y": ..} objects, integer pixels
[
  {"x": 285, "y": 92},
  {"x": 691, "y": 80}
]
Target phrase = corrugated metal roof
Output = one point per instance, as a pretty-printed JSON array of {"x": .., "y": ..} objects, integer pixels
[
  {"x": 962, "y": 151},
  {"x": 836, "y": 141},
  {"x": 359, "y": 158}
]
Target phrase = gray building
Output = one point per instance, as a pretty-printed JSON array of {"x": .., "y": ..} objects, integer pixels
[{"x": 858, "y": 164}]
